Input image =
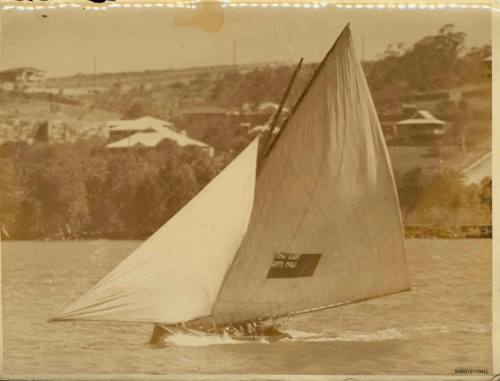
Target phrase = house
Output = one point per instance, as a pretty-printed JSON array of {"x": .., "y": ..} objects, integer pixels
[
  {"x": 119, "y": 129},
  {"x": 478, "y": 170},
  {"x": 53, "y": 131},
  {"x": 22, "y": 76},
  {"x": 421, "y": 125},
  {"x": 148, "y": 132}
]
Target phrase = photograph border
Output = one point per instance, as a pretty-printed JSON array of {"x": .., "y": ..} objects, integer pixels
[{"x": 376, "y": 5}]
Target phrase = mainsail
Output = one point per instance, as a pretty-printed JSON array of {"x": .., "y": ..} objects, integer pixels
[
  {"x": 176, "y": 274},
  {"x": 325, "y": 227},
  {"x": 320, "y": 226}
]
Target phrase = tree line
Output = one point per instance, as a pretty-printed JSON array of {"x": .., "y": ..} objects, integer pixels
[
  {"x": 82, "y": 190},
  {"x": 439, "y": 61}
]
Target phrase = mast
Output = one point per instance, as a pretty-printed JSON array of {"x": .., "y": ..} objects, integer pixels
[{"x": 277, "y": 114}]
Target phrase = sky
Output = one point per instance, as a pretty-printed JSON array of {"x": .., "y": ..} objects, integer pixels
[{"x": 72, "y": 40}]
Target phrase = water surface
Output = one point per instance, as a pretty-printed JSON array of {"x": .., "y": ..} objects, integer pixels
[{"x": 442, "y": 324}]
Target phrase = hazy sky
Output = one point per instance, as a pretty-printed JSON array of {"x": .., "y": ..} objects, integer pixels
[{"x": 67, "y": 40}]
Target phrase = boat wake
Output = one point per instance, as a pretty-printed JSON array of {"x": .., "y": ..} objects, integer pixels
[
  {"x": 180, "y": 339},
  {"x": 380, "y": 335},
  {"x": 384, "y": 334},
  {"x": 187, "y": 340}
]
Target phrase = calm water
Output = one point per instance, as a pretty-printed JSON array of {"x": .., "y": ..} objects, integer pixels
[{"x": 443, "y": 323}]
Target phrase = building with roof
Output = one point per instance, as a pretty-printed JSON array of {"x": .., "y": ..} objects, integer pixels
[
  {"x": 119, "y": 129},
  {"x": 149, "y": 132},
  {"x": 21, "y": 76},
  {"x": 421, "y": 125}
]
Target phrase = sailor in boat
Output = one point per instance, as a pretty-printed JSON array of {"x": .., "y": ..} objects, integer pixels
[
  {"x": 272, "y": 329},
  {"x": 251, "y": 330}
]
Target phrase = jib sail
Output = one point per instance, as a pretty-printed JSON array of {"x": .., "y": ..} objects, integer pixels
[{"x": 176, "y": 274}]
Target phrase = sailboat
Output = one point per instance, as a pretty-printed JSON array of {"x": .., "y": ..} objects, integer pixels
[{"x": 316, "y": 225}]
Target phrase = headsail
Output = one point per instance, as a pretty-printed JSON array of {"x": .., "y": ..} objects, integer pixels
[
  {"x": 326, "y": 226},
  {"x": 176, "y": 274}
]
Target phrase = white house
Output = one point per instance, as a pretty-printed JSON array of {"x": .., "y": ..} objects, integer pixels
[
  {"x": 22, "y": 74},
  {"x": 422, "y": 124},
  {"x": 149, "y": 132},
  {"x": 122, "y": 128},
  {"x": 20, "y": 78}
]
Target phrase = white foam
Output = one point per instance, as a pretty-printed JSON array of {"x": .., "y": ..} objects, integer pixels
[
  {"x": 297, "y": 335},
  {"x": 379, "y": 335},
  {"x": 180, "y": 339},
  {"x": 186, "y": 340}
]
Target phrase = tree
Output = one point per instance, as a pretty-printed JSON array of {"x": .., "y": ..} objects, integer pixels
[
  {"x": 11, "y": 195},
  {"x": 485, "y": 193},
  {"x": 133, "y": 112},
  {"x": 410, "y": 187},
  {"x": 446, "y": 200},
  {"x": 429, "y": 65},
  {"x": 54, "y": 190}
]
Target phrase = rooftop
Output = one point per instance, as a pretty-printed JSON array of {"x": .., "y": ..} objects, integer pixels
[
  {"x": 421, "y": 117},
  {"x": 21, "y": 69},
  {"x": 140, "y": 124},
  {"x": 152, "y": 139}
]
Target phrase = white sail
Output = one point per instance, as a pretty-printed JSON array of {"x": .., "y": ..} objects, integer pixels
[
  {"x": 176, "y": 274},
  {"x": 326, "y": 226}
]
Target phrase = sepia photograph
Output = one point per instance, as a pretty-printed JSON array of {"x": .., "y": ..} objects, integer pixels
[{"x": 215, "y": 189}]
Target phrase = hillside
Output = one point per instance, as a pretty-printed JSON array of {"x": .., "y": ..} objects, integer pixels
[
  {"x": 21, "y": 114},
  {"x": 105, "y": 194},
  {"x": 165, "y": 93}
]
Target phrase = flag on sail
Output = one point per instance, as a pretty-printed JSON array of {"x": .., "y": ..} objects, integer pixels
[
  {"x": 325, "y": 227},
  {"x": 176, "y": 274},
  {"x": 286, "y": 265}
]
